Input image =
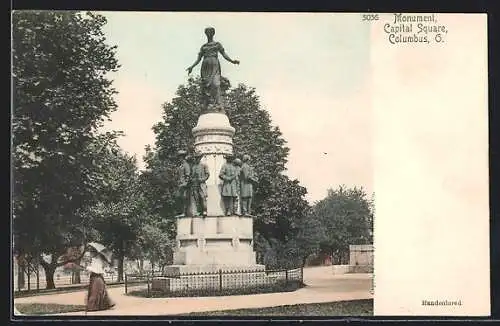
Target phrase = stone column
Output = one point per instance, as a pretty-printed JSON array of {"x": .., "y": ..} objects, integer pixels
[{"x": 213, "y": 136}]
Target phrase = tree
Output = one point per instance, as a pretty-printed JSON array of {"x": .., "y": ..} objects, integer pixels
[
  {"x": 279, "y": 202},
  {"x": 156, "y": 243},
  {"x": 280, "y": 208},
  {"x": 347, "y": 219},
  {"x": 294, "y": 251},
  {"x": 61, "y": 97},
  {"x": 159, "y": 187},
  {"x": 311, "y": 234},
  {"x": 122, "y": 209}
]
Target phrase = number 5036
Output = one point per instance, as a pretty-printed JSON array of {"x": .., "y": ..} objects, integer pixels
[{"x": 369, "y": 17}]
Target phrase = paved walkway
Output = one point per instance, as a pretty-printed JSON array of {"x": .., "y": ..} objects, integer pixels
[{"x": 322, "y": 286}]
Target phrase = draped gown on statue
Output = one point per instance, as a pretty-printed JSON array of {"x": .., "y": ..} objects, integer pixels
[{"x": 210, "y": 69}]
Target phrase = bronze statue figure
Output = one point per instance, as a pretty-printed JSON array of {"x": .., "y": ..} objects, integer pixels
[
  {"x": 199, "y": 176},
  {"x": 184, "y": 185},
  {"x": 210, "y": 69},
  {"x": 247, "y": 180},
  {"x": 237, "y": 165},
  {"x": 229, "y": 191}
]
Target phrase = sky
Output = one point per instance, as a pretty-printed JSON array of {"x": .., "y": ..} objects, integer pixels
[{"x": 310, "y": 71}]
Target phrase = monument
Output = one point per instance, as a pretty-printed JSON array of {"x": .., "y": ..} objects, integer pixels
[{"x": 216, "y": 237}]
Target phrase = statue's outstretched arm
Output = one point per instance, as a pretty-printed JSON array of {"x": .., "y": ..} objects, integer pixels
[
  {"x": 200, "y": 56},
  {"x": 225, "y": 56}
]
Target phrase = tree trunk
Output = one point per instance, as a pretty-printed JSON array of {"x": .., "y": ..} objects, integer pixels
[
  {"x": 121, "y": 261},
  {"x": 20, "y": 276},
  {"x": 304, "y": 260},
  {"x": 49, "y": 270},
  {"x": 345, "y": 255},
  {"x": 120, "y": 267},
  {"x": 75, "y": 277},
  {"x": 336, "y": 258},
  {"x": 78, "y": 278}
]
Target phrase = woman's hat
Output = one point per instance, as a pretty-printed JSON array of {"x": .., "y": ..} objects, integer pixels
[{"x": 101, "y": 251}]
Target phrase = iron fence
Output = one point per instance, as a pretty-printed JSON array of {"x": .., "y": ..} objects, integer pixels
[
  {"x": 214, "y": 283},
  {"x": 40, "y": 283},
  {"x": 35, "y": 280}
]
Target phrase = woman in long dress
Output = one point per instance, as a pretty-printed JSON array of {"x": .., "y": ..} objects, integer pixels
[
  {"x": 97, "y": 296},
  {"x": 210, "y": 68}
]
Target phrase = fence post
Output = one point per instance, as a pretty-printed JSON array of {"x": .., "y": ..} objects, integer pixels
[
  {"x": 286, "y": 277},
  {"x": 220, "y": 280},
  {"x": 302, "y": 274},
  {"x": 29, "y": 277},
  {"x": 126, "y": 284}
]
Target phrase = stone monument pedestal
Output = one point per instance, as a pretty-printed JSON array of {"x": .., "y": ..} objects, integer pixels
[{"x": 213, "y": 243}]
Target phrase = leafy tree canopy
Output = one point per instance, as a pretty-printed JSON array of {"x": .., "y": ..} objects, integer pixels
[
  {"x": 346, "y": 214},
  {"x": 61, "y": 97}
]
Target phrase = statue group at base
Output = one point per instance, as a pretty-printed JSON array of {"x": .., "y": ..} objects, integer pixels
[
  {"x": 237, "y": 182},
  {"x": 193, "y": 175},
  {"x": 238, "y": 178}
]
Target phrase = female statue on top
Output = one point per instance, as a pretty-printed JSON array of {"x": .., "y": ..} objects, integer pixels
[{"x": 210, "y": 70}]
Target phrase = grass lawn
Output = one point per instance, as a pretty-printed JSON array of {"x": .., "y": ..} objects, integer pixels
[
  {"x": 47, "y": 308},
  {"x": 340, "y": 308}
]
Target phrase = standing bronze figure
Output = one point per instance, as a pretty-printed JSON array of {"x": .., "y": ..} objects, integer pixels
[
  {"x": 229, "y": 191},
  {"x": 210, "y": 70},
  {"x": 199, "y": 177},
  {"x": 247, "y": 180},
  {"x": 184, "y": 184},
  {"x": 237, "y": 202}
]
